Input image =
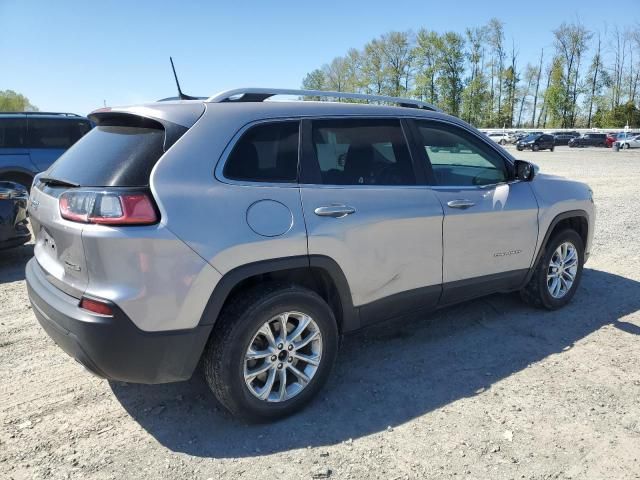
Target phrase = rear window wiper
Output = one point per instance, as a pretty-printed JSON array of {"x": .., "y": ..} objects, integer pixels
[{"x": 57, "y": 182}]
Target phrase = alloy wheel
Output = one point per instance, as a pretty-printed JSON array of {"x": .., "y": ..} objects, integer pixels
[
  {"x": 562, "y": 270},
  {"x": 282, "y": 357}
]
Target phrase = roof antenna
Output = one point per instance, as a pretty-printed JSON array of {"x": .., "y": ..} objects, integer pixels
[{"x": 181, "y": 95}]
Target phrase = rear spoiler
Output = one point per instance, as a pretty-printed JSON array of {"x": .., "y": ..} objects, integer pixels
[{"x": 108, "y": 117}]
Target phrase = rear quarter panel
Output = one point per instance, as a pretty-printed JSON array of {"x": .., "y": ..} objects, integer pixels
[{"x": 210, "y": 215}]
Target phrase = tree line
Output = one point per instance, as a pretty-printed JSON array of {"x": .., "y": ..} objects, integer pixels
[
  {"x": 587, "y": 79},
  {"x": 11, "y": 101}
]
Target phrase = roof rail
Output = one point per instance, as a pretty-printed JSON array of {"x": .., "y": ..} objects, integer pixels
[
  {"x": 63, "y": 114},
  {"x": 261, "y": 94}
]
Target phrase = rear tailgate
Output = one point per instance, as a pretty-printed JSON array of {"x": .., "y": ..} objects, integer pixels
[
  {"x": 58, "y": 243},
  {"x": 119, "y": 153}
]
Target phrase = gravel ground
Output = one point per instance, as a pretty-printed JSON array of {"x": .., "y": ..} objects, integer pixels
[{"x": 489, "y": 389}]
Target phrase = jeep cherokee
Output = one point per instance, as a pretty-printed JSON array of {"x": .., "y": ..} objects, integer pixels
[{"x": 250, "y": 234}]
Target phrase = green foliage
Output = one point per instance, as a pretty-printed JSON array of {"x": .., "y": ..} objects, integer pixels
[
  {"x": 11, "y": 101},
  {"x": 474, "y": 76},
  {"x": 450, "y": 63},
  {"x": 618, "y": 117},
  {"x": 554, "y": 96}
]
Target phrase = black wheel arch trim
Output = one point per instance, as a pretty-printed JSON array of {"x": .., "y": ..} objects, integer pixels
[
  {"x": 349, "y": 314},
  {"x": 543, "y": 245}
]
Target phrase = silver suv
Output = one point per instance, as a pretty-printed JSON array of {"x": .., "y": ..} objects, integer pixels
[{"x": 251, "y": 234}]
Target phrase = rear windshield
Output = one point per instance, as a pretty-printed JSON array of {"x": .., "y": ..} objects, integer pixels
[{"x": 111, "y": 156}]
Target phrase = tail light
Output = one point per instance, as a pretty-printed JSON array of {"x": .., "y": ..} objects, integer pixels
[{"x": 108, "y": 207}]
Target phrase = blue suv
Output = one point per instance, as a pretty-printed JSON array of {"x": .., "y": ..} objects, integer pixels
[{"x": 31, "y": 141}]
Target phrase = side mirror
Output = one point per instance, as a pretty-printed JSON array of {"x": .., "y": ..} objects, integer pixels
[{"x": 525, "y": 171}]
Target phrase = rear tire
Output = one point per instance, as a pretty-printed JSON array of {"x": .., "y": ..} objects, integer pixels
[
  {"x": 239, "y": 336},
  {"x": 539, "y": 291},
  {"x": 535, "y": 148},
  {"x": 552, "y": 148}
]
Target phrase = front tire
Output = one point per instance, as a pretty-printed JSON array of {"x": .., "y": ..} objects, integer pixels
[
  {"x": 558, "y": 272},
  {"x": 271, "y": 351},
  {"x": 535, "y": 148}
]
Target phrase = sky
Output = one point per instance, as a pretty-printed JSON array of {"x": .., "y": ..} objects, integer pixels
[{"x": 74, "y": 55}]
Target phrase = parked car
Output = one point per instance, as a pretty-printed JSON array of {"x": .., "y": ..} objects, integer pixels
[
  {"x": 535, "y": 142},
  {"x": 628, "y": 142},
  {"x": 589, "y": 140},
  {"x": 614, "y": 137},
  {"x": 13, "y": 215},
  {"x": 321, "y": 218},
  {"x": 500, "y": 137},
  {"x": 31, "y": 141},
  {"x": 562, "y": 138}
]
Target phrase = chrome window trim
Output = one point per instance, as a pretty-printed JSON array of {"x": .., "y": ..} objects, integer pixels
[{"x": 219, "y": 167}]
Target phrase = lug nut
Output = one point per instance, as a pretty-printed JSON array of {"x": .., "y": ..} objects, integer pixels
[
  {"x": 290, "y": 347},
  {"x": 290, "y": 359},
  {"x": 280, "y": 346},
  {"x": 279, "y": 366},
  {"x": 273, "y": 358}
]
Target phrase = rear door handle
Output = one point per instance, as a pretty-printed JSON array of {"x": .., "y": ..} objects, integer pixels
[
  {"x": 335, "y": 211},
  {"x": 461, "y": 203}
]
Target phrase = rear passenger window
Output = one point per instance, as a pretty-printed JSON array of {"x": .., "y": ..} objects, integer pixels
[
  {"x": 55, "y": 133},
  {"x": 265, "y": 153},
  {"x": 362, "y": 152},
  {"x": 12, "y": 132}
]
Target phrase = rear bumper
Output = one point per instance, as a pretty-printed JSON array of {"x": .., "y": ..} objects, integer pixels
[{"x": 113, "y": 347}]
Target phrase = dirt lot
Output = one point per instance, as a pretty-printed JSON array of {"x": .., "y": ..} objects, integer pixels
[{"x": 490, "y": 389}]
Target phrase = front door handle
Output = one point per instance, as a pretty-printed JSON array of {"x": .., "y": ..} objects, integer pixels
[
  {"x": 335, "y": 211},
  {"x": 461, "y": 203}
]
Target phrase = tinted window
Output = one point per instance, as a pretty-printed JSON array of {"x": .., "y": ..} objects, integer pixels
[
  {"x": 530, "y": 138},
  {"x": 265, "y": 153},
  {"x": 458, "y": 159},
  {"x": 111, "y": 156},
  {"x": 362, "y": 152},
  {"x": 12, "y": 132},
  {"x": 55, "y": 133}
]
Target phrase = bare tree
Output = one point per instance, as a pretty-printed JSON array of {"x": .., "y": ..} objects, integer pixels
[
  {"x": 496, "y": 41},
  {"x": 398, "y": 56},
  {"x": 535, "y": 96},
  {"x": 571, "y": 42},
  {"x": 596, "y": 70}
]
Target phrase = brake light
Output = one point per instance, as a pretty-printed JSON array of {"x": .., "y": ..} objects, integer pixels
[
  {"x": 108, "y": 207},
  {"x": 96, "y": 306}
]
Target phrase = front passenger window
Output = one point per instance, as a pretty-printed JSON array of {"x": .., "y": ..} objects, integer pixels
[{"x": 459, "y": 159}]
